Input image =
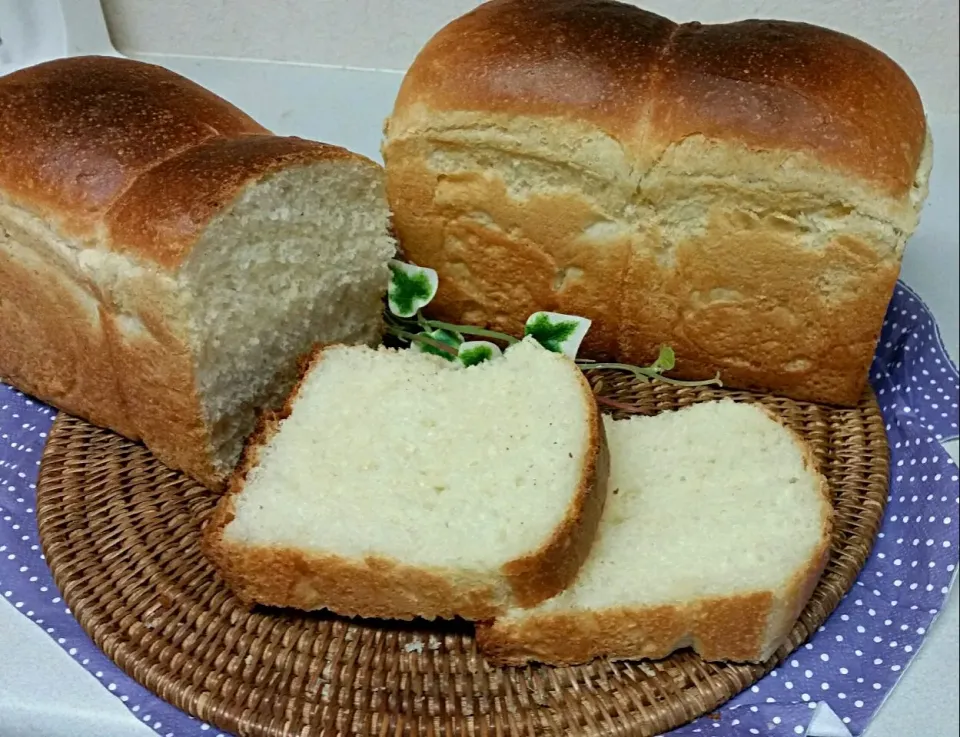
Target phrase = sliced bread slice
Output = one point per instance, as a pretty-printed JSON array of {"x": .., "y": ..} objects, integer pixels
[
  {"x": 396, "y": 484},
  {"x": 716, "y": 531}
]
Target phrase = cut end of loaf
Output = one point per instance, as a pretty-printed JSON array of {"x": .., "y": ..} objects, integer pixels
[
  {"x": 169, "y": 259},
  {"x": 397, "y": 484},
  {"x": 716, "y": 529},
  {"x": 299, "y": 258}
]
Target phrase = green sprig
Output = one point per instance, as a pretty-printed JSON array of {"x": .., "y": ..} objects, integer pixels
[
  {"x": 427, "y": 325},
  {"x": 438, "y": 346},
  {"x": 470, "y": 330},
  {"x": 413, "y": 287},
  {"x": 666, "y": 361},
  {"x": 645, "y": 373}
]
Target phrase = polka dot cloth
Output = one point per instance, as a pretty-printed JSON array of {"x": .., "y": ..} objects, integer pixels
[
  {"x": 857, "y": 657},
  {"x": 851, "y": 663}
]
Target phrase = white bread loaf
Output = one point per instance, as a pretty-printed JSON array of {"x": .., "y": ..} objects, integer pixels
[
  {"x": 716, "y": 530},
  {"x": 164, "y": 259},
  {"x": 742, "y": 192},
  {"x": 396, "y": 485}
]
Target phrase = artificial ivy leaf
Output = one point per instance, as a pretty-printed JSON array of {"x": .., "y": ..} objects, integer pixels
[
  {"x": 556, "y": 332},
  {"x": 473, "y": 352},
  {"x": 411, "y": 288},
  {"x": 665, "y": 361},
  {"x": 440, "y": 336}
]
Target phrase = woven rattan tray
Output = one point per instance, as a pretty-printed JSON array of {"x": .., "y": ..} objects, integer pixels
[{"x": 121, "y": 534}]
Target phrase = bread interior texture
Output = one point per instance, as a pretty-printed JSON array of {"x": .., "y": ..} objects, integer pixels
[
  {"x": 300, "y": 257},
  {"x": 403, "y": 455},
  {"x": 716, "y": 529},
  {"x": 711, "y": 500}
]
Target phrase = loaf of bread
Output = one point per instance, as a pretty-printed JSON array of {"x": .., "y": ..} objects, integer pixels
[
  {"x": 396, "y": 485},
  {"x": 741, "y": 191},
  {"x": 164, "y": 259},
  {"x": 716, "y": 531}
]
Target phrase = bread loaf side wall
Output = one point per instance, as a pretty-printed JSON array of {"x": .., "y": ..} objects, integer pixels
[
  {"x": 741, "y": 191},
  {"x": 53, "y": 343},
  {"x": 780, "y": 283},
  {"x": 98, "y": 335}
]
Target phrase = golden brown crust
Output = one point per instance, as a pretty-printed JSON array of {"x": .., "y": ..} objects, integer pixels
[
  {"x": 166, "y": 210},
  {"x": 156, "y": 385},
  {"x": 53, "y": 340},
  {"x": 553, "y": 567},
  {"x": 745, "y": 627},
  {"x": 729, "y": 305},
  {"x": 796, "y": 87},
  {"x": 584, "y": 61},
  {"x": 724, "y": 628},
  {"x": 104, "y": 158},
  {"x": 649, "y": 82},
  {"x": 76, "y": 132},
  {"x": 374, "y": 587},
  {"x": 385, "y": 588},
  {"x": 680, "y": 229}
]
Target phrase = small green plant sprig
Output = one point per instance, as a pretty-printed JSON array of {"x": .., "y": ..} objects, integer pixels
[{"x": 412, "y": 288}]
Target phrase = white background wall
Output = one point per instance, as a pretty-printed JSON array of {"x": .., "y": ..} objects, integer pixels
[{"x": 921, "y": 35}]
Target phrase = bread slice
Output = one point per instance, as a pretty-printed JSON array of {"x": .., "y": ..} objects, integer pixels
[
  {"x": 398, "y": 485},
  {"x": 716, "y": 530}
]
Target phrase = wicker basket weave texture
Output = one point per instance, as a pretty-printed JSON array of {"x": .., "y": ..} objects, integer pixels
[{"x": 121, "y": 534}]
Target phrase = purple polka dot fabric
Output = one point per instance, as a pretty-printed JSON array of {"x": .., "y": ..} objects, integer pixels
[
  {"x": 856, "y": 658},
  {"x": 851, "y": 664}
]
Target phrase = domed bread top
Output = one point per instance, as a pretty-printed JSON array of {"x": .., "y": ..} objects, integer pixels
[{"x": 649, "y": 83}]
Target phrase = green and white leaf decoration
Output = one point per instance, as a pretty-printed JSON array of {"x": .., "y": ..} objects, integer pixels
[
  {"x": 473, "y": 352},
  {"x": 445, "y": 337},
  {"x": 411, "y": 288},
  {"x": 665, "y": 361},
  {"x": 557, "y": 332}
]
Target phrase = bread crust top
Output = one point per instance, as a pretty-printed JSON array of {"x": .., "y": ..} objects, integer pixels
[
  {"x": 650, "y": 83},
  {"x": 130, "y": 155},
  {"x": 164, "y": 211}
]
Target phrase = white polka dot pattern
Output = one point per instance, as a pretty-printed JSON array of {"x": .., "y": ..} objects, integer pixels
[
  {"x": 851, "y": 663},
  {"x": 858, "y": 655}
]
